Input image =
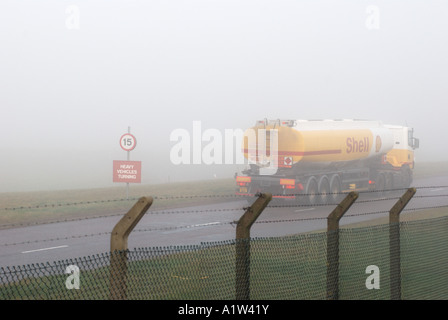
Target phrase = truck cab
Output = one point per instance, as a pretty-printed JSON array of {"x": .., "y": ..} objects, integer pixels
[{"x": 402, "y": 153}]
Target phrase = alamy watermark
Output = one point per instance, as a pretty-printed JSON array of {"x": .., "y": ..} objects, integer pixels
[
  {"x": 373, "y": 280},
  {"x": 373, "y": 17},
  {"x": 72, "y": 21},
  {"x": 212, "y": 146},
  {"x": 72, "y": 281}
]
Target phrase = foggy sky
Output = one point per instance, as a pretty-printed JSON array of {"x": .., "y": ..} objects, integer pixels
[{"x": 68, "y": 94}]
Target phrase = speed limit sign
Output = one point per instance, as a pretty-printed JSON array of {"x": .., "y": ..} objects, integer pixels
[{"x": 128, "y": 142}]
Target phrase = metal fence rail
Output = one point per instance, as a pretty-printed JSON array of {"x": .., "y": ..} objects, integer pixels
[
  {"x": 293, "y": 267},
  {"x": 398, "y": 260}
]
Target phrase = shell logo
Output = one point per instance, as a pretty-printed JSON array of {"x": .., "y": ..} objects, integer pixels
[{"x": 378, "y": 144}]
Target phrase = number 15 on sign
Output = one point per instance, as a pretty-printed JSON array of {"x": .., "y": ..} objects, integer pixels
[{"x": 128, "y": 142}]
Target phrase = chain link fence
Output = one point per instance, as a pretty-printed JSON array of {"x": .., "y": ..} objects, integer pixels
[{"x": 283, "y": 268}]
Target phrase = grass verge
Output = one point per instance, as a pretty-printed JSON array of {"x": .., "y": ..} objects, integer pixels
[{"x": 40, "y": 207}]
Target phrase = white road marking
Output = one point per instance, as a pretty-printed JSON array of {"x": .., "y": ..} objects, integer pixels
[
  {"x": 301, "y": 210},
  {"x": 435, "y": 190},
  {"x": 185, "y": 228},
  {"x": 204, "y": 224},
  {"x": 43, "y": 249}
]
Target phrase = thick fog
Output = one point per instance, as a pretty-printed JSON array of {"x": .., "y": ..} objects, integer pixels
[{"x": 74, "y": 75}]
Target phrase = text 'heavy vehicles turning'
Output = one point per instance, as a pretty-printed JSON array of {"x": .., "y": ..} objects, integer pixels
[{"x": 318, "y": 160}]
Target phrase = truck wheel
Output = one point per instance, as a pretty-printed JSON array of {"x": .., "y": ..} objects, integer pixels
[
  {"x": 324, "y": 190},
  {"x": 335, "y": 189},
  {"x": 311, "y": 191}
]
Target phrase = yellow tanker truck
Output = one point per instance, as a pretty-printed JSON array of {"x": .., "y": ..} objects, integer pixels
[{"x": 318, "y": 160}]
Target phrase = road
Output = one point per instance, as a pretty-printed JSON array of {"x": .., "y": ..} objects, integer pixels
[{"x": 192, "y": 225}]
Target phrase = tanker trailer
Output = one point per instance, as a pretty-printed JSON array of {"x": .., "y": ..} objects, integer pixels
[{"x": 320, "y": 160}]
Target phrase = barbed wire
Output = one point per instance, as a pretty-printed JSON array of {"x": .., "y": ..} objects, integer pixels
[
  {"x": 33, "y": 223},
  {"x": 67, "y": 204},
  {"x": 162, "y": 197},
  {"x": 55, "y": 205},
  {"x": 198, "y": 196},
  {"x": 56, "y": 239},
  {"x": 425, "y": 208},
  {"x": 110, "y": 232},
  {"x": 361, "y": 192},
  {"x": 199, "y": 225},
  {"x": 180, "y": 211},
  {"x": 214, "y": 224},
  {"x": 290, "y": 220},
  {"x": 194, "y": 211},
  {"x": 431, "y": 196},
  {"x": 331, "y": 204},
  {"x": 228, "y": 209}
]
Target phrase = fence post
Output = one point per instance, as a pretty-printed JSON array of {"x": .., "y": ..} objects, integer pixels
[
  {"x": 242, "y": 285},
  {"x": 119, "y": 247},
  {"x": 333, "y": 245},
  {"x": 394, "y": 243}
]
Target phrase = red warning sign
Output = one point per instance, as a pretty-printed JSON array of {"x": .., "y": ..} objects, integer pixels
[{"x": 127, "y": 171}]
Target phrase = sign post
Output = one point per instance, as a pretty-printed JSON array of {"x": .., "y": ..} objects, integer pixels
[{"x": 127, "y": 171}]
